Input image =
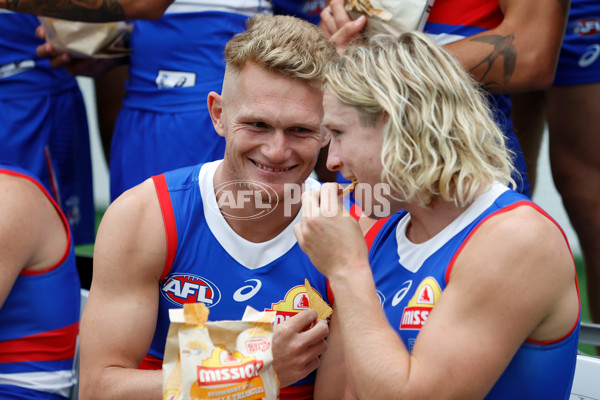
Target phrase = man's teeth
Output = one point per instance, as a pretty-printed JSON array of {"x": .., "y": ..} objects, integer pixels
[{"x": 270, "y": 169}]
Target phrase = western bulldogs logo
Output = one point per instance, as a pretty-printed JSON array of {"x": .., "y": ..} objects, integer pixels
[{"x": 186, "y": 288}]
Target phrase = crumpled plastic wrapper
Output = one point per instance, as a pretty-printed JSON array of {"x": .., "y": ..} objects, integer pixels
[
  {"x": 391, "y": 16},
  {"x": 88, "y": 39}
]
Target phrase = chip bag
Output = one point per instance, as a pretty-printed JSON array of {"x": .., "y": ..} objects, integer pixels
[
  {"x": 221, "y": 360},
  {"x": 88, "y": 39},
  {"x": 391, "y": 16}
]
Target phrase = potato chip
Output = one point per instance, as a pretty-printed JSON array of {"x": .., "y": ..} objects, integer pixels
[
  {"x": 316, "y": 303},
  {"x": 351, "y": 186}
]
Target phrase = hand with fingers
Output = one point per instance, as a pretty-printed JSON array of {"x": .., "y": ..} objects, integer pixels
[
  {"x": 327, "y": 232},
  {"x": 338, "y": 26},
  {"x": 297, "y": 345}
]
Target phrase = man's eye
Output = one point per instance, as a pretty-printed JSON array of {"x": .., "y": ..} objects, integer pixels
[
  {"x": 258, "y": 124},
  {"x": 300, "y": 129},
  {"x": 335, "y": 132}
]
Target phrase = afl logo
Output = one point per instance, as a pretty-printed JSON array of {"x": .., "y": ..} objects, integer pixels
[
  {"x": 186, "y": 288},
  {"x": 587, "y": 27}
]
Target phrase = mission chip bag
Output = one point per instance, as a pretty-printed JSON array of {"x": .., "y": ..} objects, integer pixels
[{"x": 222, "y": 360}]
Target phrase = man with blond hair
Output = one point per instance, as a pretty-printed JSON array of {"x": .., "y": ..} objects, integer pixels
[
  {"x": 189, "y": 235},
  {"x": 469, "y": 290}
]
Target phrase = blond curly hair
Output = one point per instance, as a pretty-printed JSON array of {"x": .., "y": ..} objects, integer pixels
[{"x": 439, "y": 139}]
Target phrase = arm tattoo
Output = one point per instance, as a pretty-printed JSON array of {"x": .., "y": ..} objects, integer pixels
[
  {"x": 78, "y": 10},
  {"x": 503, "y": 47}
]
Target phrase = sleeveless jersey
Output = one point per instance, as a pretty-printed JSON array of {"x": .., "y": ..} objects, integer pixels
[
  {"x": 208, "y": 262},
  {"x": 39, "y": 323},
  {"x": 579, "y": 61},
  {"x": 453, "y": 20},
  {"x": 411, "y": 277}
]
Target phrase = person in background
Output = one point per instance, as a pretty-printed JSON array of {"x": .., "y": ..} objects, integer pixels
[
  {"x": 469, "y": 290},
  {"x": 497, "y": 41},
  {"x": 39, "y": 291},
  {"x": 43, "y": 123},
  {"x": 181, "y": 236},
  {"x": 174, "y": 61},
  {"x": 571, "y": 109}
]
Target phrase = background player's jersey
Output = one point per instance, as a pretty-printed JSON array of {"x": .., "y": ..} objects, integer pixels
[
  {"x": 411, "y": 277},
  {"x": 39, "y": 323},
  {"x": 208, "y": 262}
]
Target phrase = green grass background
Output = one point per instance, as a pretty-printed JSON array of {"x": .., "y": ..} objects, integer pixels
[{"x": 88, "y": 250}]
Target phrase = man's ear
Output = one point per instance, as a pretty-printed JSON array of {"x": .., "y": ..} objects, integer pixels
[{"x": 215, "y": 109}]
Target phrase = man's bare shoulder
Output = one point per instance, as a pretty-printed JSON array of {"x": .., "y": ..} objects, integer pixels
[
  {"x": 522, "y": 248},
  {"x": 132, "y": 232}
]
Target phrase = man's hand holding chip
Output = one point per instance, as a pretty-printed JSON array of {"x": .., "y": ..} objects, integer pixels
[{"x": 297, "y": 345}]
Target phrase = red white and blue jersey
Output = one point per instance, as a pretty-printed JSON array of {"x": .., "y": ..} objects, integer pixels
[
  {"x": 410, "y": 278},
  {"x": 453, "y": 20},
  {"x": 579, "y": 61},
  {"x": 208, "y": 262},
  {"x": 39, "y": 323}
]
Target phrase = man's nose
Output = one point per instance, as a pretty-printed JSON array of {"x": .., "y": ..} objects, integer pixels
[
  {"x": 334, "y": 161},
  {"x": 277, "y": 146}
]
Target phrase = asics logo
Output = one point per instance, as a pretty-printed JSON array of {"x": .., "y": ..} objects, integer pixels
[
  {"x": 247, "y": 292},
  {"x": 401, "y": 293},
  {"x": 590, "y": 56}
]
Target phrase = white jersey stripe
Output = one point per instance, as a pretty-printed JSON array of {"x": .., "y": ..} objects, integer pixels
[{"x": 57, "y": 382}]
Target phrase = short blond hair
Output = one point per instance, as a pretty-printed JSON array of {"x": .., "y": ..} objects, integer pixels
[
  {"x": 281, "y": 44},
  {"x": 440, "y": 139}
]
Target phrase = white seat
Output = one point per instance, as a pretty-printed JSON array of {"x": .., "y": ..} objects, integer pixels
[{"x": 586, "y": 384}]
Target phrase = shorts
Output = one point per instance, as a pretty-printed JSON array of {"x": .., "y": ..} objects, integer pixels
[
  {"x": 48, "y": 135},
  {"x": 579, "y": 61},
  {"x": 147, "y": 143}
]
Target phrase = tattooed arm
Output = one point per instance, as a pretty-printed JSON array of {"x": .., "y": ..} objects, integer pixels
[
  {"x": 90, "y": 10},
  {"x": 521, "y": 53}
]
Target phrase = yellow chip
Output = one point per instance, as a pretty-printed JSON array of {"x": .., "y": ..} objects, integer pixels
[
  {"x": 316, "y": 303},
  {"x": 351, "y": 186},
  {"x": 195, "y": 313}
]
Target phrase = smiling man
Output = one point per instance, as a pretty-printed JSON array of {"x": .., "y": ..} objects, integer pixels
[{"x": 218, "y": 233}]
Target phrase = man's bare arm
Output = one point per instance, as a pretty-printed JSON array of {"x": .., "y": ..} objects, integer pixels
[
  {"x": 522, "y": 52},
  {"x": 90, "y": 10},
  {"x": 120, "y": 315}
]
